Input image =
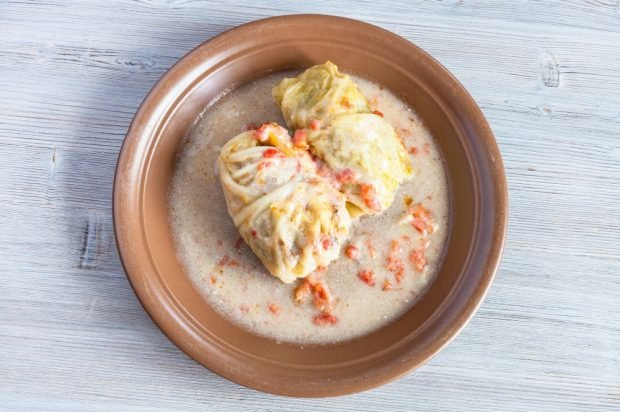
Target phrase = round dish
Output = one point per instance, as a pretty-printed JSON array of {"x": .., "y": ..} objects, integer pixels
[{"x": 477, "y": 191}]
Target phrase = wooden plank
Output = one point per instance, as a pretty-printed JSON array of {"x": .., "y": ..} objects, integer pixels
[{"x": 72, "y": 334}]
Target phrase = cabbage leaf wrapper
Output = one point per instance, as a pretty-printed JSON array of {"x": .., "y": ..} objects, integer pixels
[
  {"x": 364, "y": 155},
  {"x": 294, "y": 220}
]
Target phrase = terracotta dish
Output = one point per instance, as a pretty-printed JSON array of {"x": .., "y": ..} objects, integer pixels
[{"x": 477, "y": 191}]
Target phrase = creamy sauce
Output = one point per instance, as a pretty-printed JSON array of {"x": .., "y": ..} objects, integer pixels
[{"x": 233, "y": 280}]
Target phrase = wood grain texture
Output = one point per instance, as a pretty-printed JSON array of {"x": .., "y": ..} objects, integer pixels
[{"x": 74, "y": 337}]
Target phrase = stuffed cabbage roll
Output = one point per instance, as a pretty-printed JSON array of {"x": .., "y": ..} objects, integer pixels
[
  {"x": 361, "y": 149},
  {"x": 318, "y": 94},
  {"x": 293, "y": 219},
  {"x": 367, "y": 159}
]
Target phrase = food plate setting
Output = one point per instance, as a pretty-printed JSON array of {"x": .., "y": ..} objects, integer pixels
[{"x": 310, "y": 205}]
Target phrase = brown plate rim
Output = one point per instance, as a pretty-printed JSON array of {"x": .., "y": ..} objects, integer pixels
[{"x": 166, "y": 322}]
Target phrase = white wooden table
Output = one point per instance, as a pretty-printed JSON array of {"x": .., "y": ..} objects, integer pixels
[{"x": 74, "y": 337}]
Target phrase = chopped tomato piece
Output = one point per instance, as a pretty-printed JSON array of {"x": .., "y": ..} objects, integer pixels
[
  {"x": 368, "y": 195},
  {"x": 394, "y": 246},
  {"x": 325, "y": 318},
  {"x": 352, "y": 252},
  {"x": 345, "y": 176},
  {"x": 320, "y": 291},
  {"x": 387, "y": 285},
  {"x": 418, "y": 259},
  {"x": 270, "y": 153},
  {"x": 314, "y": 284},
  {"x": 300, "y": 139},
  {"x": 418, "y": 224},
  {"x": 261, "y": 133},
  {"x": 253, "y": 232},
  {"x": 367, "y": 276},
  {"x": 396, "y": 266},
  {"x": 420, "y": 211},
  {"x": 399, "y": 276},
  {"x": 327, "y": 243},
  {"x": 378, "y": 113},
  {"x": 273, "y": 308},
  {"x": 413, "y": 150},
  {"x": 301, "y": 291},
  {"x": 423, "y": 220},
  {"x": 315, "y": 124},
  {"x": 321, "y": 296}
]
